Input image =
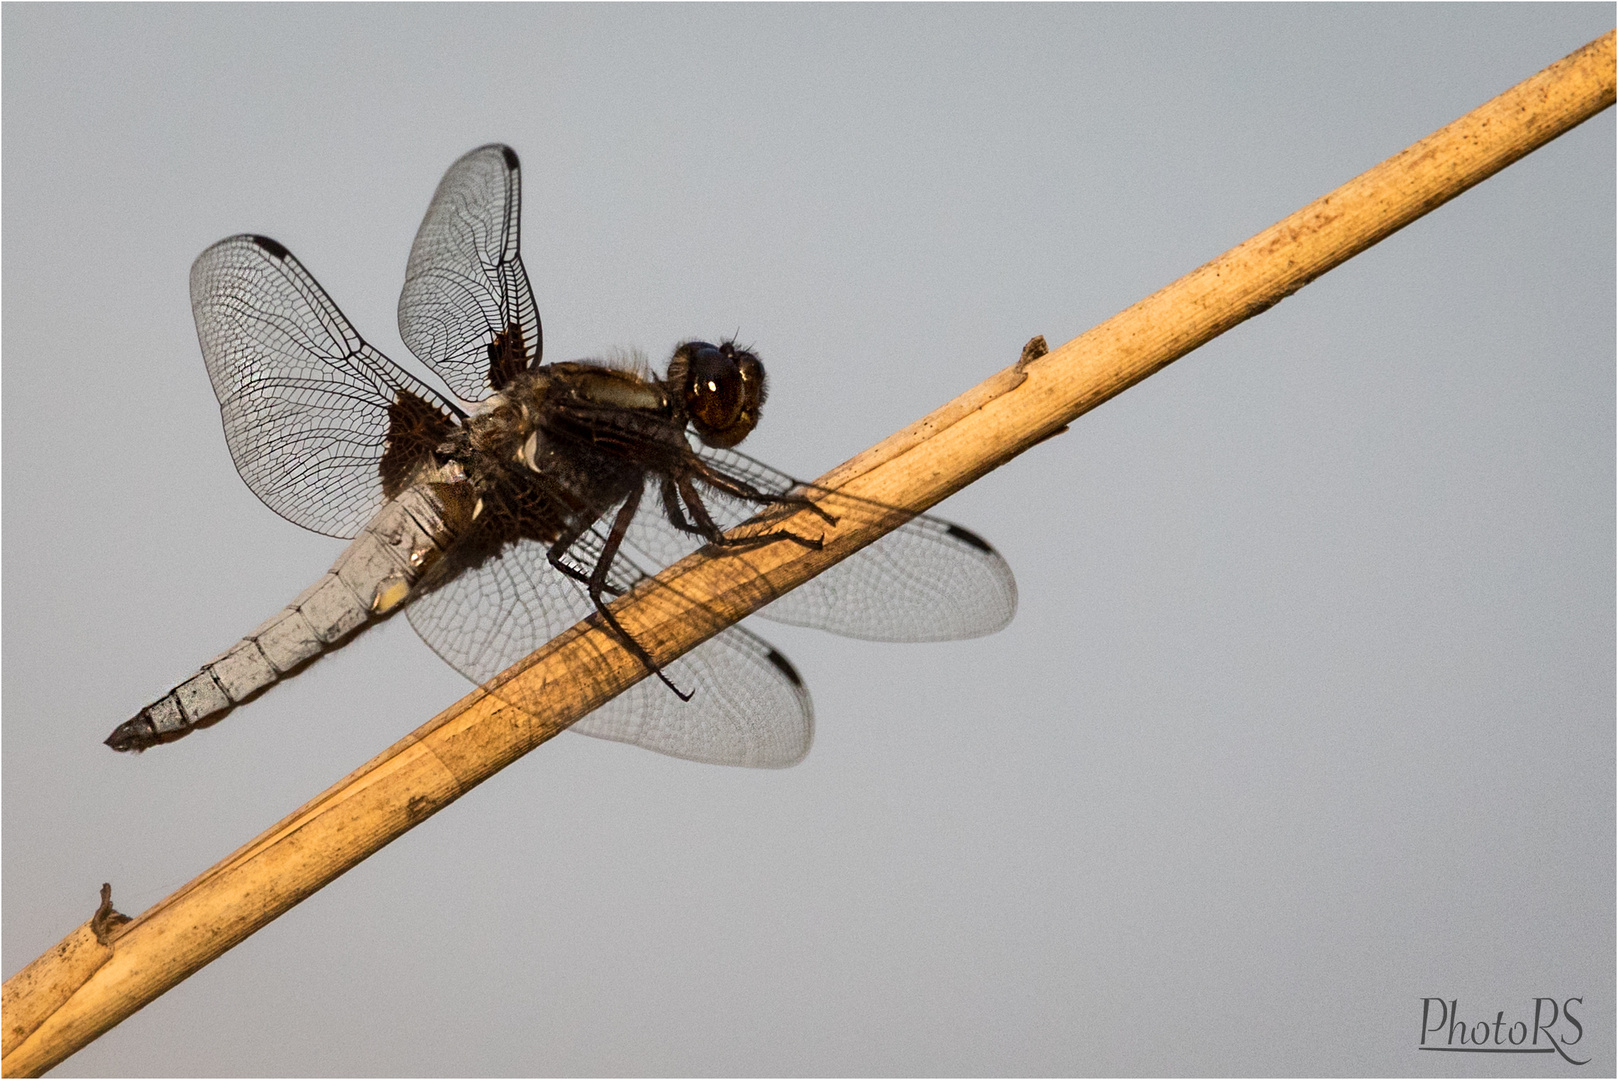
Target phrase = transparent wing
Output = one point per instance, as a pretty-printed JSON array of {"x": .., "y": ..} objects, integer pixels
[
  {"x": 927, "y": 580},
  {"x": 484, "y": 619},
  {"x": 749, "y": 707},
  {"x": 308, "y": 406},
  {"x": 466, "y": 310}
]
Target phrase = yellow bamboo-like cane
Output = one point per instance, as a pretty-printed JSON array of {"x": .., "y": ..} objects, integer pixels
[{"x": 104, "y": 971}]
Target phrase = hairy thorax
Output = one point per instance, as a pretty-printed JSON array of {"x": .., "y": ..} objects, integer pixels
[{"x": 564, "y": 443}]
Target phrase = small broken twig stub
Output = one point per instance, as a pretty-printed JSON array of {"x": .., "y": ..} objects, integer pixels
[
  {"x": 107, "y": 919},
  {"x": 1032, "y": 351}
]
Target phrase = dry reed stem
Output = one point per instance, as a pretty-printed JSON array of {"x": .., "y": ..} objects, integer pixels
[{"x": 82, "y": 987}]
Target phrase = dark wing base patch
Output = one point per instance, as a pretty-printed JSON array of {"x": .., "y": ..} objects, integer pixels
[
  {"x": 415, "y": 429},
  {"x": 508, "y": 356}
]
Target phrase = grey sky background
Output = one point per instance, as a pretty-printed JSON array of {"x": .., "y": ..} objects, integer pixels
[{"x": 1307, "y": 712}]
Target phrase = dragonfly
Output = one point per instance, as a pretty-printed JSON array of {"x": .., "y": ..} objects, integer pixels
[{"x": 529, "y": 495}]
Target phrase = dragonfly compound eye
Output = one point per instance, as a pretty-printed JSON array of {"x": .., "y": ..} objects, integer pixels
[{"x": 723, "y": 388}]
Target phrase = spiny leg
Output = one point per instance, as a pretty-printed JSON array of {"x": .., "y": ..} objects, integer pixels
[
  {"x": 748, "y": 493},
  {"x": 557, "y": 550},
  {"x": 672, "y": 510},
  {"x": 710, "y": 530},
  {"x": 675, "y": 492},
  {"x": 596, "y": 583}
]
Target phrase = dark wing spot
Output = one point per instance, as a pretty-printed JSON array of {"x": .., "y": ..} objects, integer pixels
[
  {"x": 415, "y": 429},
  {"x": 271, "y": 246},
  {"x": 785, "y": 667},
  {"x": 967, "y": 537},
  {"x": 507, "y": 356},
  {"x": 511, "y": 157}
]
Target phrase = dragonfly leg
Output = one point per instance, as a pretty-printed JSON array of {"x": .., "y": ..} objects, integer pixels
[
  {"x": 711, "y": 532},
  {"x": 596, "y": 584},
  {"x": 748, "y": 493},
  {"x": 672, "y": 509},
  {"x": 554, "y": 555},
  {"x": 678, "y": 493}
]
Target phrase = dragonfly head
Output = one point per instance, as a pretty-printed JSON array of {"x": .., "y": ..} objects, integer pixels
[{"x": 721, "y": 388}]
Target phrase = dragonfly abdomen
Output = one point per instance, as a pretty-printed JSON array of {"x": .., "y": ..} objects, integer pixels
[{"x": 370, "y": 580}]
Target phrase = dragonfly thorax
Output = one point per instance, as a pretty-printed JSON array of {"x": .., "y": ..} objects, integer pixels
[{"x": 584, "y": 432}]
